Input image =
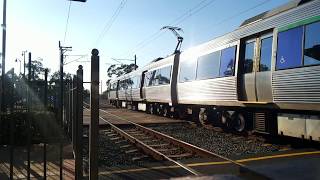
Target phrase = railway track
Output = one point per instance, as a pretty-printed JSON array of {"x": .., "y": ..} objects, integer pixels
[{"x": 160, "y": 146}]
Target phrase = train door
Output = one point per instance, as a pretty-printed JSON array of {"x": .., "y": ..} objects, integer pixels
[
  {"x": 142, "y": 84},
  {"x": 263, "y": 69},
  {"x": 255, "y": 74}
]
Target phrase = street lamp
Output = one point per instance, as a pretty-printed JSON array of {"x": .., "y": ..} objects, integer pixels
[
  {"x": 24, "y": 62},
  {"x": 19, "y": 66}
]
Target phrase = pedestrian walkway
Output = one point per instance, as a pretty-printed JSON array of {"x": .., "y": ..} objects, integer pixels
[{"x": 37, "y": 162}]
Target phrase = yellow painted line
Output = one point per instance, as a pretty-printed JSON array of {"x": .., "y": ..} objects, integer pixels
[
  {"x": 211, "y": 163},
  {"x": 278, "y": 156}
]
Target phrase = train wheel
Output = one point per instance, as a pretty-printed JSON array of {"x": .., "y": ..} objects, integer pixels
[
  {"x": 151, "y": 109},
  {"x": 165, "y": 111},
  {"x": 159, "y": 110},
  {"x": 134, "y": 107},
  {"x": 182, "y": 113},
  {"x": 171, "y": 113},
  {"x": 225, "y": 119},
  {"x": 203, "y": 116},
  {"x": 239, "y": 122}
]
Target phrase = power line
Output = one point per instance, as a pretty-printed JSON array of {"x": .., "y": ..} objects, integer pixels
[
  {"x": 240, "y": 13},
  {"x": 190, "y": 12},
  {"x": 226, "y": 19},
  {"x": 110, "y": 22},
  {"x": 221, "y": 22},
  {"x": 66, "y": 29}
]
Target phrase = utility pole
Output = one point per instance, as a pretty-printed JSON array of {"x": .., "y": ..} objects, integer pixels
[
  {"x": 62, "y": 51},
  {"x": 4, "y": 22},
  {"x": 24, "y": 62},
  {"x": 135, "y": 62}
]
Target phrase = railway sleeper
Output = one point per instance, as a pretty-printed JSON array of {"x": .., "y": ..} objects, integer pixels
[
  {"x": 131, "y": 151},
  {"x": 158, "y": 145},
  {"x": 151, "y": 141},
  {"x": 125, "y": 146},
  {"x": 168, "y": 149},
  {"x": 121, "y": 141},
  {"x": 111, "y": 135},
  {"x": 178, "y": 156},
  {"x": 137, "y": 158}
]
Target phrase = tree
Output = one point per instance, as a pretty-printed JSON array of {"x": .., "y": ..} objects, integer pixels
[
  {"x": 55, "y": 77},
  {"x": 119, "y": 70},
  {"x": 36, "y": 68},
  {"x": 116, "y": 70}
]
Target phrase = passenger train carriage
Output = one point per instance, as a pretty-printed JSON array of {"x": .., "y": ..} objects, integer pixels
[{"x": 263, "y": 76}]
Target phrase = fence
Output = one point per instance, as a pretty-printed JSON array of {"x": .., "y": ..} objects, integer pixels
[
  {"x": 37, "y": 121},
  {"x": 73, "y": 118}
]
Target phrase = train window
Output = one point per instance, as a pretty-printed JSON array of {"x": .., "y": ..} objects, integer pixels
[
  {"x": 133, "y": 82},
  {"x": 129, "y": 83},
  {"x": 155, "y": 81},
  {"x": 147, "y": 79},
  {"x": 248, "y": 57},
  {"x": 265, "y": 54},
  {"x": 227, "y": 61},
  {"x": 187, "y": 70},
  {"x": 151, "y": 78},
  {"x": 312, "y": 44},
  {"x": 208, "y": 66},
  {"x": 165, "y": 75},
  {"x": 289, "y": 51}
]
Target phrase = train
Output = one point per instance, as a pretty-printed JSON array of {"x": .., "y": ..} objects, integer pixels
[{"x": 262, "y": 77}]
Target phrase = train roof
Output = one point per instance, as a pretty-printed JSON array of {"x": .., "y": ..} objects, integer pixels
[{"x": 275, "y": 11}]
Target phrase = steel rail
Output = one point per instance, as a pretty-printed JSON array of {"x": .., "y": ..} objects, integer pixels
[
  {"x": 243, "y": 169},
  {"x": 187, "y": 146},
  {"x": 146, "y": 148}
]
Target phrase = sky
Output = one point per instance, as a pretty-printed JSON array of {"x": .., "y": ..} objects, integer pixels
[{"x": 117, "y": 28}]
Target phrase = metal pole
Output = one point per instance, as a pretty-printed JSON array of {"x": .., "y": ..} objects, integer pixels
[
  {"x": 45, "y": 100},
  {"x": 45, "y": 106},
  {"x": 66, "y": 100},
  {"x": 3, "y": 54},
  {"x": 28, "y": 117},
  {"x": 12, "y": 122},
  {"x": 135, "y": 62},
  {"x": 61, "y": 107},
  {"x": 24, "y": 63},
  {"x": 61, "y": 85},
  {"x": 79, "y": 91},
  {"x": 94, "y": 125},
  {"x": 74, "y": 112}
]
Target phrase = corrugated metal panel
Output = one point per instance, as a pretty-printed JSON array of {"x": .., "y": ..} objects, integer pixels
[
  {"x": 155, "y": 65},
  {"x": 297, "y": 14},
  {"x": 220, "y": 89},
  {"x": 158, "y": 93},
  {"x": 300, "y": 85},
  {"x": 113, "y": 95},
  {"x": 122, "y": 94},
  {"x": 260, "y": 121},
  {"x": 136, "y": 94}
]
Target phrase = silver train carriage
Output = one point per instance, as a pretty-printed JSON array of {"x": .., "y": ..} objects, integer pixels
[{"x": 263, "y": 76}]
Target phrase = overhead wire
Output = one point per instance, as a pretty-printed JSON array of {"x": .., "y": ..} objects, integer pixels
[
  {"x": 110, "y": 22},
  {"x": 190, "y": 12},
  {"x": 177, "y": 22},
  {"x": 67, "y": 23},
  {"x": 240, "y": 13}
]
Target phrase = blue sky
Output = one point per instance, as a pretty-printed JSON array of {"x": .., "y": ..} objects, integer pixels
[{"x": 38, "y": 25}]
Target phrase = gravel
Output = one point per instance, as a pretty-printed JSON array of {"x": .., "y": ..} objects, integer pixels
[
  {"x": 222, "y": 143},
  {"x": 110, "y": 154},
  {"x": 225, "y": 144}
]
